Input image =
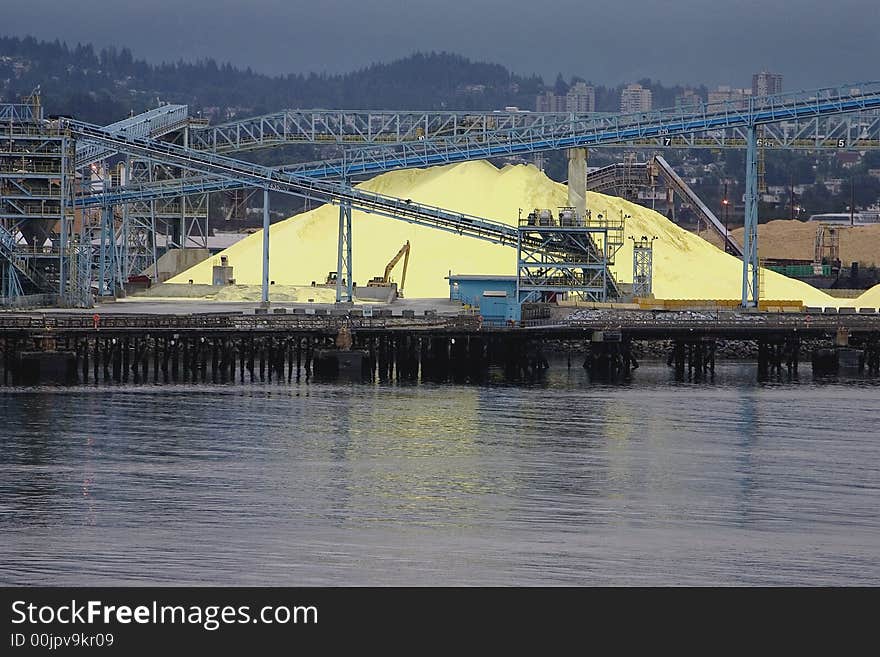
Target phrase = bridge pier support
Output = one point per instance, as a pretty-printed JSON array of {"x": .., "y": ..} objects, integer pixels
[
  {"x": 777, "y": 353},
  {"x": 871, "y": 347},
  {"x": 610, "y": 356},
  {"x": 577, "y": 180},
  {"x": 693, "y": 360}
]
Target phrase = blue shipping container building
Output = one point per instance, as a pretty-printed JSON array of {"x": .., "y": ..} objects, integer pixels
[{"x": 495, "y": 296}]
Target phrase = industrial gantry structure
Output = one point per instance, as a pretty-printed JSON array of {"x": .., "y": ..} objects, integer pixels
[
  {"x": 149, "y": 175},
  {"x": 643, "y": 267}
]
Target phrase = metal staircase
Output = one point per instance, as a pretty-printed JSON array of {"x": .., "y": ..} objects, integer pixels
[{"x": 22, "y": 265}]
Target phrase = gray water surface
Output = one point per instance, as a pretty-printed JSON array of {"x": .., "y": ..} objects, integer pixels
[{"x": 650, "y": 482}]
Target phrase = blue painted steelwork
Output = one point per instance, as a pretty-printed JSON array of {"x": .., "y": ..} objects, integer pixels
[
  {"x": 750, "y": 274},
  {"x": 81, "y": 262},
  {"x": 21, "y": 112},
  {"x": 573, "y": 258},
  {"x": 548, "y": 135},
  {"x": 566, "y": 131},
  {"x": 13, "y": 263},
  {"x": 34, "y": 175},
  {"x": 355, "y": 128},
  {"x": 109, "y": 271},
  {"x": 603, "y": 130},
  {"x": 237, "y": 172},
  {"x": 366, "y": 128},
  {"x": 152, "y": 123},
  {"x": 343, "y": 256},
  {"x": 265, "y": 296},
  {"x": 11, "y": 284}
]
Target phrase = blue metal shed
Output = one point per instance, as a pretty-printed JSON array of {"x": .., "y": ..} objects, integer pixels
[{"x": 495, "y": 296}]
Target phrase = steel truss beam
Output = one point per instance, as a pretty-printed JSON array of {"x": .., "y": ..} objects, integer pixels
[
  {"x": 36, "y": 191},
  {"x": 643, "y": 264},
  {"x": 751, "y": 273},
  {"x": 152, "y": 123},
  {"x": 365, "y": 128},
  {"x": 234, "y": 172},
  {"x": 344, "y": 280},
  {"x": 570, "y": 255},
  {"x": 437, "y": 148},
  {"x": 847, "y": 117},
  {"x": 183, "y": 219}
]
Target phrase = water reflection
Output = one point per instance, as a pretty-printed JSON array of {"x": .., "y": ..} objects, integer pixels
[{"x": 560, "y": 481}]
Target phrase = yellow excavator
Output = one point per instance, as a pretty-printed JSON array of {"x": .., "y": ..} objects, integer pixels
[{"x": 385, "y": 281}]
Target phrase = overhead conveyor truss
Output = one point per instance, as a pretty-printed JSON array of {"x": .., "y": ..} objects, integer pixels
[
  {"x": 366, "y": 128},
  {"x": 511, "y": 134},
  {"x": 152, "y": 123},
  {"x": 681, "y": 187},
  {"x": 319, "y": 190},
  {"x": 484, "y": 139}
]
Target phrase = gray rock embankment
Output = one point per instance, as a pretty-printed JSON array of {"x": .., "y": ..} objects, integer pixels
[{"x": 660, "y": 349}]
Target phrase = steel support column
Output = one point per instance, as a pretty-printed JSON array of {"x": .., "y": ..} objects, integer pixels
[
  {"x": 750, "y": 290},
  {"x": 155, "y": 255},
  {"x": 11, "y": 284},
  {"x": 108, "y": 261},
  {"x": 643, "y": 266},
  {"x": 63, "y": 207},
  {"x": 127, "y": 228},
  {"x": 343, "y": 255},
  {"x": 265, "y": 297}
]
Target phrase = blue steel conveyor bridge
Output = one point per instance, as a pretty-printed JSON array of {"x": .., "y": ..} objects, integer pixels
[
  {"x": 366, "y": 128},
  {"x": 223, "y": 172},
  {"x": 405, "y": 140}
]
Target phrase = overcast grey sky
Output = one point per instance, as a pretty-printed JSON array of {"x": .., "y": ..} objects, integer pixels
[{"x": 811, "y": 43}]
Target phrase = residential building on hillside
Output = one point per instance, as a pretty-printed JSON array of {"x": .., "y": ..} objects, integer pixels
[
  {"x": 635, "y": 98},
  {"x": 766, "y": 84},
  {"x": 688, "y": 99},
  {"x": 547, "y": 102},
  {"x": 726, "y": 94},
  {"x": 580, "y": 99}
]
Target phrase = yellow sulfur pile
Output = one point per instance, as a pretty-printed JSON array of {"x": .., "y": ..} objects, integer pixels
[{"x": 303, "y": 248}]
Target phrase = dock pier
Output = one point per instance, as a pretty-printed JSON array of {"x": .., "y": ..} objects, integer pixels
[{"x": 71, "y": 348}]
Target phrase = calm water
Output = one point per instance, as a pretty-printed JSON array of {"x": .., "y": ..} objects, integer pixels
[{"x": 563, "y": 483}]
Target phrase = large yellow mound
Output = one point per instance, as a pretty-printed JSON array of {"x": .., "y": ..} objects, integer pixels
[{"x": 303, "y": 247}]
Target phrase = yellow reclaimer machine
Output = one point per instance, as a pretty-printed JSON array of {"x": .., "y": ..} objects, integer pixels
[{"x": 385, "y": 280}]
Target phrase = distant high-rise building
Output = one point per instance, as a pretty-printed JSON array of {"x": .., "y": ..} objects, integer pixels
[
  {"x": 580, "y": 99},
  {"x": 635, "y": 98},
  {"x": 549, "y": 102},
  {"x": 688, "y": 99},
  {"x": 766, "y": 84},
  {"x": 726, "y": 94}
]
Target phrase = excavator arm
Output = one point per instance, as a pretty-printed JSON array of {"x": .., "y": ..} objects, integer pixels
[
  {"x": 403, "y": 253},
  {"x": 381, "y": 281}
]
